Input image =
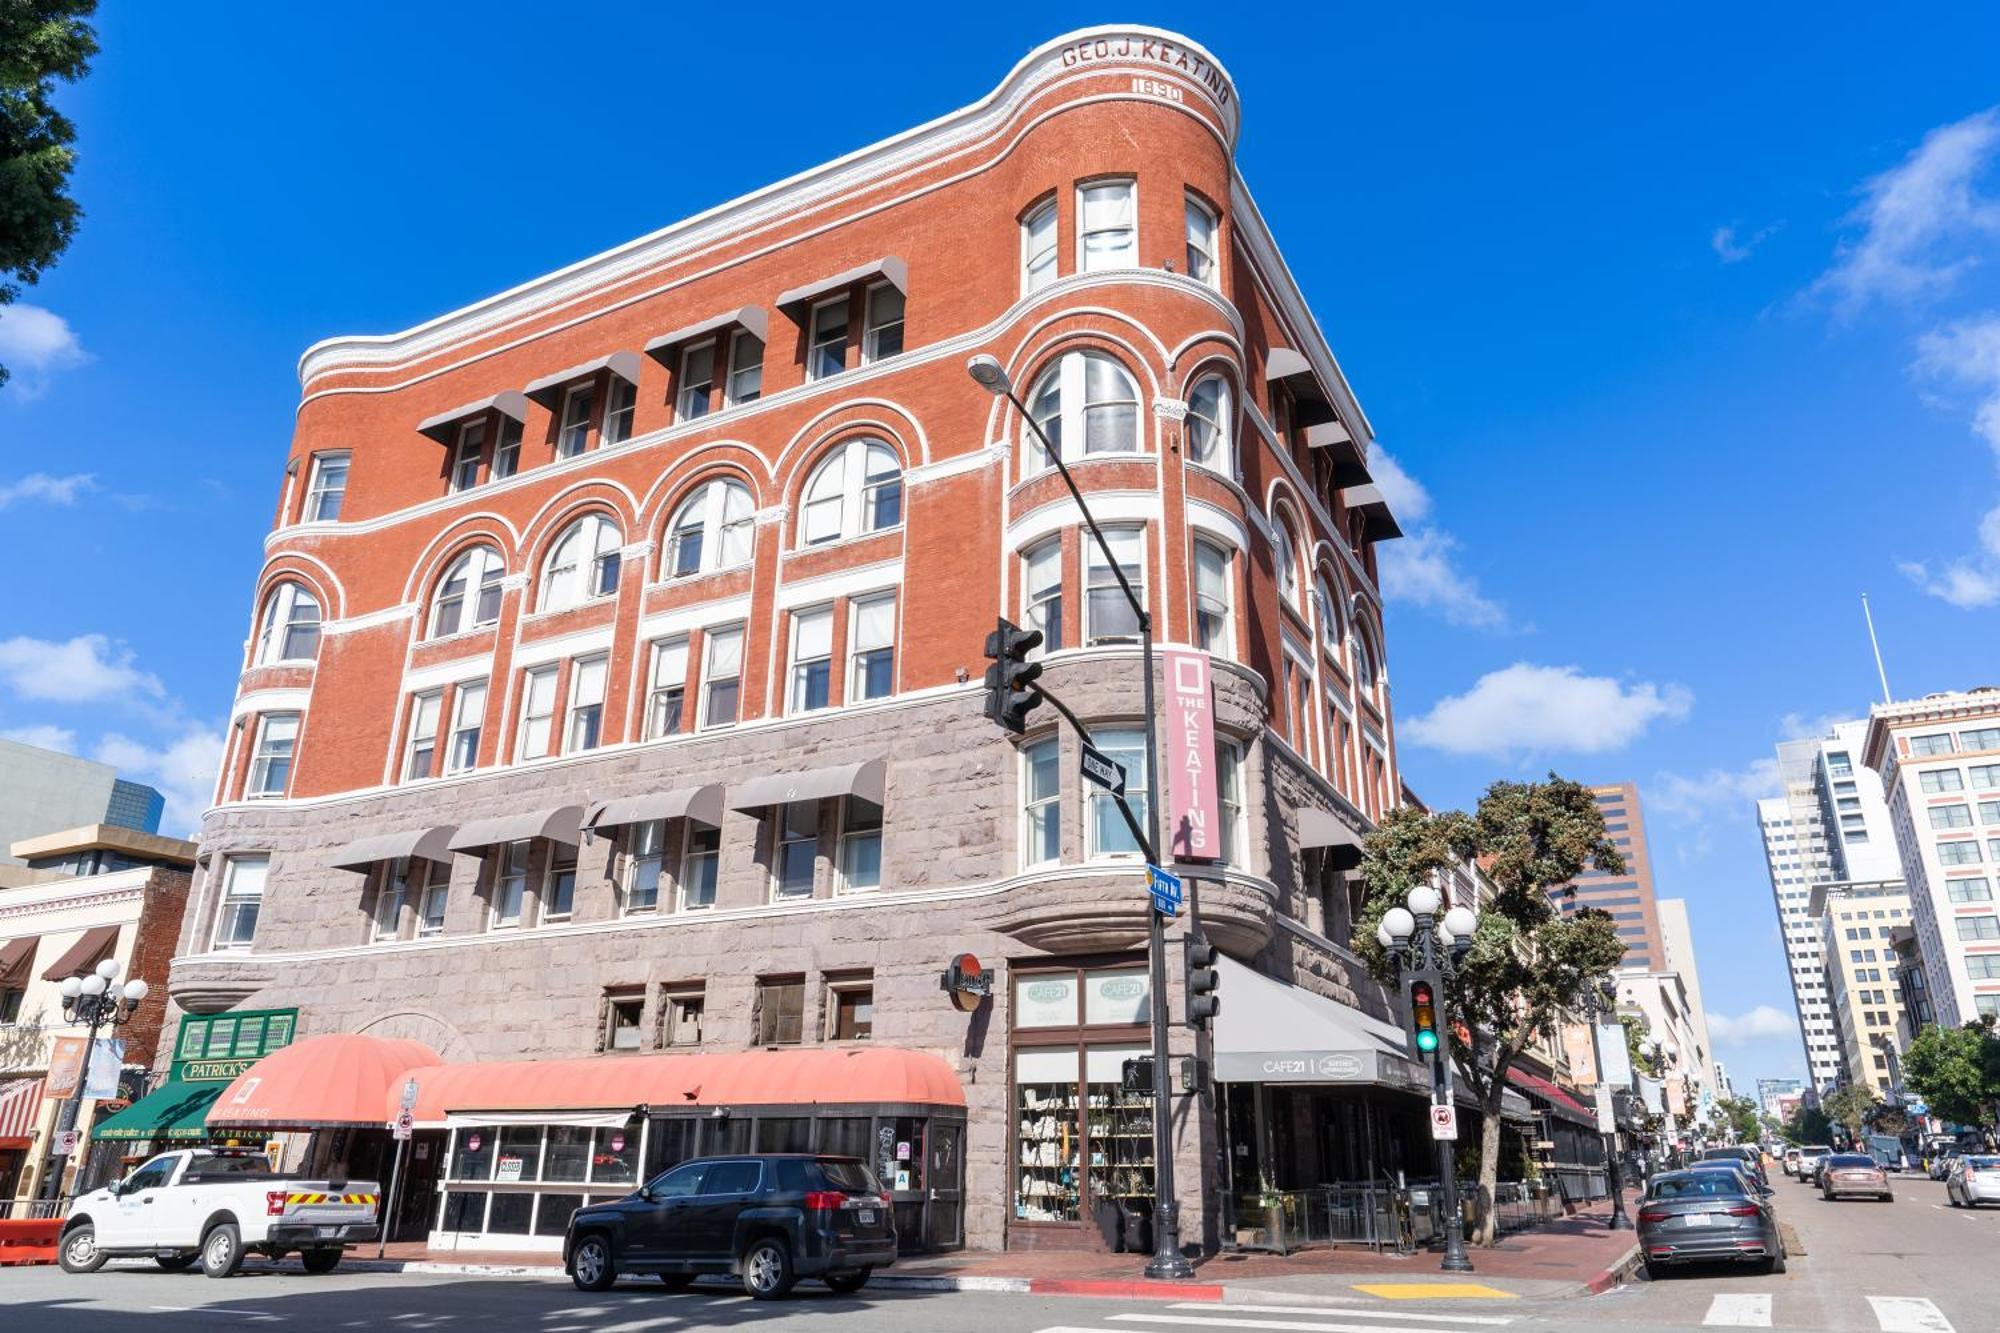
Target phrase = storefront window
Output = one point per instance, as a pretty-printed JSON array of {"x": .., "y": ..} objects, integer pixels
[
  {"x": 1049, "y": 1134},
  {"x": 511, "y": 1214},
  {"x": 1045, "y": 1000},
  {"x": 464, "y": 1210},
  {"x": 552, "y": 1216},
  {"x": 568, "y": 1153},
  {"x": 474, "y": 1159},
  {"x": 520, "y": 1153},
  {"x": 783, "y": 1133},
  {"x": 616, "y": 1156},
  {"x": 1117, "y": 997},
  {"x": 1120, "y": 1125}
]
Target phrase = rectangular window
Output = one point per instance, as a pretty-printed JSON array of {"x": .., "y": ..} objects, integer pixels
[
  {"x": 538, "y": 711},
  {"x": 1986, "y": 777},
  {"x": 623, "y": 1017},
  {"x": 242, "y": 896},
  {"x": 430, "y": 907},
  {"x": 746, "y": 368},
  {"x": 327, "y": 490},
  {"x": 1968, "y": 890},
  {"x": 721, "y": 682},
  {"x": 1978, "y": 927},
  {"x": 559, "y": 884},
  {"x": 697, "y": 382},
  {"x": 1838, "y": 764},
  {"x": 1951, "y": 816},
  {"x": 1938, "y": 742},
  {"x": 1109, "y": 835},
  {"x": 1042, "y": 588},
  {"x": 1984, "y": 738},
  {"x": 850, "y": 1011},
  {"x": 860, "y": 845},
  {"x": 781, "y": 1011},
  {"x": 681, "y": 1018},
  {"x": 468, "y": 716},
  {"x": 618, "y": 411},
  {"x": 1983, "y": 966},
  {"x": 882, "y": 329},
  {"x": 796, "y": 851},
  {"x": 1108, "y": 230},
  {"x": 1941, "y": 780},
  {"x": 465, "y": 458},
  {"x": 586, "y": 704},
  {"x": 401, "y": 880},
  {"x": 826, "y": 351},
  {"x": 10, "y": 1004},
  {"x": 699, "y": 866},
  {"x": 420, "y": 758},
  {"x": 643, "y": 854},
  {"x": 510, "y": 883},
  {"x": 271, "y": 759},
  {"x": 1201, "y": 241},
  {"x": 1038, "y": 247},
  {"x": 871, "y": 648},
  {"x": 1958, "y": 853},
  {"x": 1229, "y": 799},
  {"x": 1041, "y": 787},
  {"x": 670, "y": 669},
  {"x": 507, "y": 454},
  {"x": 812, "y": 659},
  {"x": 1212, "y": 622},
  {"x": 1108, "y": 616},
  {"x": 575, "y": 434}
]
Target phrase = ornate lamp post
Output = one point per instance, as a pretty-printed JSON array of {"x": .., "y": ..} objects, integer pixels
[
  {"x": 1602, "y": 1001},
  {"x": 97, "y": 1001},
  {"x": 1426, "y": 952}
]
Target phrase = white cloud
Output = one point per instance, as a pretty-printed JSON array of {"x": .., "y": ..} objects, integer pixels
[
  {"x": 1719, "y": 790},
  {"x": 1419, "y": 569},
  {"x": 1923, "y": 220},
  {"x": 87, "y": 668},
  {"x": 1734, "y": 249},
  {"x": 1525, "y": 709},
  {"x": 36, "y": 344},
  {"x": 1801, "y": 727},
  {"x": 1760, "y": 1024},
  {"x": 47, "y": 487},
  {"x": 1408, "y": 500},
  {"x": 184, "y": 770},
  {"x": 43, "y": 736},
  {"x": 1967, "y": 353}
]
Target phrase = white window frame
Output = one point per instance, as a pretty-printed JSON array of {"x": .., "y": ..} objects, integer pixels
[
  {"x": 695, "y": 849},
  {"x": 1285, "y": 557},
  {"x": 583, "y": 564},
  {"x": 1231, "y": 804},
  {"x": 850, "y": 838},
  {"x": 621, "y": 408},
  {"x": 438, "y": 888},
  {"x": 465, "y": 451},
  {"x": 1219, "y": 421},
  {"x": 859, "y": 649},
  {"x": 1108, "y": 585},
  {"x": 533, "y": 721},
  {"x": 589, "y": 681},
  {"x": 814, "y": 340},
  {"x": 1069, "y": 377},
  {"x": 709, "y": 678},
  {"x": 396, "y": 889},
  {"x": 422, "y": 739},
  {"x": 231, "y": 902},
  {"x": 552, "y": 870},
  {"x": 1207, "y": 255},
  {"x": 319, "y": 491},
  {"x": 1128, "y": 742},
  {"x": 645, "y": 843},
  {"x": 263, "y": 758},
  {"x": 784, "y": 837},
  {"x": 804, "y": 619},
  {"x": 573, "y": 435},
  {"x": 693, "y": 397},
  {"x": 1032, "y": 805},
  {"x": 1129, "y": 252},
  {"x": 875, "y": 328},
  {"x": 505, "y": 874},
  {"x": 843, "y": 487},
  {"x": 1039, "y": 266},
  {"x": 282, "y": 616},
  {"x": 506, "y": 450},
  {"x": 746, "y": 374},
  {"x": 468, "y": 721},
  {"x": 1332, "y": 625},
  {"x": 1042, "y": 604},
  {"x": 479, "y": 572},
  {"x": 705, "y": 513},
  {"x": 669, "y": 678},
  {"x": 1224, "y": 644}
]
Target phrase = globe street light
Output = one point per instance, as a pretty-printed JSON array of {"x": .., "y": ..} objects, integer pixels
[{"x": 96, "y": 1000}]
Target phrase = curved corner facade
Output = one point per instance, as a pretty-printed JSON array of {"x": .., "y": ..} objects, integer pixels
[{"x": 612, "y": 681}]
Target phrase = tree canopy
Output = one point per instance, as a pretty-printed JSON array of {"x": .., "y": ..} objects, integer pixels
[
  {"x": 1956, "y": 1071},
  {"x": 1849, "y": 1108},
  {"x": 1740, "y": 1114}
]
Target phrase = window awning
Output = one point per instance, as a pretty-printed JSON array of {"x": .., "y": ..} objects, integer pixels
[
  {"x": 562, "y": 824},
  {"x": 793, "y": 302},
  {"x": 444, "y": 426},
  {"x": 1271, "y": 1032},
  {"x": 750, "y": 317},
  {"x": 174, "y": 1110},
  {"x": 1556, "y": 1098},
  {"x": 865, "y": 780},
  {"x": 95, "y": 946},
  {"x": 321, "y": 1083},
  {"x": 418, "y": 844},
  {"x": 20, "y": 1108},
  {"x": 16, "y": 955},
  {"x": 1309, "y": 400},
  {"x": 701, "y": 804},
  {"x": 1371, "y": 504},
  {"x": 1349, "y": 468},
  {"x": 1323, "y": 828},
  {"x": 625, "y": 365}
]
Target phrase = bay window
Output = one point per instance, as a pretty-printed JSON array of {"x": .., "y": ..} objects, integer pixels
[
  {"x": 1107, "y": 226},
  {"x": 326, "y": 491},
  {"x": 812, "y": 659},
  {"x": 1108, "y": 616},
  {"x": 1109, "y": 835},
  {"x": 872, "y": 648},
  {"x": 1041, "y": 804},
  {"x": 1209, "y": 419},
  {"x": 1042, "y": 589},
  {"x": 242, "y": 898},
  {"x": 1229, "y": 802},
  {"x": 271, "y": 757},
  {"x": 1214, "y": 625},
  {"x": 1201, "y": 242},
  {"x": 586, "y": 704},
  {"x": 289, "y": 629},
  {"x": 1038, "y": 247}
]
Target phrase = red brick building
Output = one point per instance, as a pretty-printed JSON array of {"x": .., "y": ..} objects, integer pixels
[{"x": 612, "y": 679}]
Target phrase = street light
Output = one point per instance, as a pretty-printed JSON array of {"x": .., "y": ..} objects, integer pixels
[
  {"x": 1167, "y": 1260},
  {"x": 1427, "y": 953},
  {"x": 1599, "y": 1001},
  {"x": 94, "y": 999}
]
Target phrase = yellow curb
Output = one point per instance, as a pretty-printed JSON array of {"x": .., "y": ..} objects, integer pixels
[{"x": 1431, "y": 1291}]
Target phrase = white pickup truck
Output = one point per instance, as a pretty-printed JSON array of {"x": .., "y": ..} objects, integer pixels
[{"x": 216, "y": 1206}]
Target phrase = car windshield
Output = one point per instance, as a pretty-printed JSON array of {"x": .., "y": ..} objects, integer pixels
[
  {"x": 1850, "y": 1159},
  {"x": 1697, "y": 1184},
  {"x": 1981, "y": 1163}
]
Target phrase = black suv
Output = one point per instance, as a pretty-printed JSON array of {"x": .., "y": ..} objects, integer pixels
[{"x": 769, "y": 1219}]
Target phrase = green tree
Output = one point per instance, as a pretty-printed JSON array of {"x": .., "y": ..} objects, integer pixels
[
  {"x": 1849, "y": 1108},
  {"x": 41, "y": 41},
  {"x": 1528, "y": 963},
  {"x": 1808, "y": 1125},
  {"x": 1740, "y": 1114},
  {"x": 1956, "y": 1071}
]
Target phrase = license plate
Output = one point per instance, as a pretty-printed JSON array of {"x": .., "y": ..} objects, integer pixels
[
  {"x": 1694, "y": 1219},
  {"x": 866, "y": 1217},
  {"x": 325, "y": 1232}
]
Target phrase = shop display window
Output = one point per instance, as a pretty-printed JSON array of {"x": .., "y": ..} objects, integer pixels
[
  {"x": 511, "y": 1214},
  {"x": 553, "y": 1213},
  {"x": 1050, "y": 1136}
]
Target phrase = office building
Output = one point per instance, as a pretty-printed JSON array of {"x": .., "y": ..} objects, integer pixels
[
  {"x": 1858, "y": 920},
  {"x": 1677, "y": 941},
  {"x": 46, "y": 789},
  {"x": 1769, "y": 1090},
  {"x": 1628, "y": 895}
]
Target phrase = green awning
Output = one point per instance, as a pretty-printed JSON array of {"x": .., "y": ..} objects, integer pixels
[{"x": 174, "y": 1110}]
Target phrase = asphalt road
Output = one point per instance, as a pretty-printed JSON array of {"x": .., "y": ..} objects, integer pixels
[{"x": 1912, "y": 1266}]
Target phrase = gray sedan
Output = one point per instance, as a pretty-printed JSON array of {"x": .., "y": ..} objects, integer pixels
[
  {"x": 1695, "y": 1216},
  {"x": 1972, "y": 1181}
]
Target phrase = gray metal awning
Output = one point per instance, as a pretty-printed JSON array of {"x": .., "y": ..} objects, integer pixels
[
  {"x": 889, "y": 266},
  {"x": 1269, "y": 1032},
  {"x": 1309, "y": 399},
  {"x": 625, "y": 365},
  {"x": 426, "y": 844},
  {"x": 1371, "y": 504},
  {"x": 1323, "y": 828},
  {"x": 442, "y": 427},
  {"x": 701, "y": 804},
  {"x": 558, "y": 825},
  {"x": 750, "y": 317},
  {"x": 1349, "y": 468},
  {"x": 864, "y": 780}
]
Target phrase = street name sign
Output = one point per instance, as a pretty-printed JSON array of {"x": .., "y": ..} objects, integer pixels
[
  {"x": 1102, "y": 769},
  {"x": 1166, "y": 889},
  {"x": 1444, "y": 1122}
]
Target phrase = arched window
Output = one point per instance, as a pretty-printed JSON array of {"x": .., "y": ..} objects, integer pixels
[
  {"x": 289, "y": 629},
  {"x": 468, "y": 596},
  {"x": 857, "y": 488},
  {"x": 1208, "y": 419},
  {"x": 1332, "y": 629},
  {"x": 1364, "y": 661},
  {"x": 711, "y": 530},
  {"x": 1284, "y": 555},
  {"x": 582, "y": 565},
  {"x": 1086, "y": 404}
]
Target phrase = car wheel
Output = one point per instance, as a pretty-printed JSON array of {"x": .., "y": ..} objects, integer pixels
[
  {"x": 847, "y": 1282},
  {"x": 590, "y": 1266},
  {"x": 177, "y": 1263},
  {"x": 78, "y": 1252},
  {"x": 320, "y": 1261},
  {"x": 767, "y": 1270},
  {"x": 677, "y": 1281},
  {"x": 222, "y": 1250},
  {"x": 1654, "y": 1272}
]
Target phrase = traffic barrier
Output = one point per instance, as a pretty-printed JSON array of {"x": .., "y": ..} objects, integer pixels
[{"x": 28, "y": 1241}]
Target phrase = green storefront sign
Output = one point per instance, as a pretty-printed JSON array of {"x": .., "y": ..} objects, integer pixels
[{"x": 210, "y": 1050}]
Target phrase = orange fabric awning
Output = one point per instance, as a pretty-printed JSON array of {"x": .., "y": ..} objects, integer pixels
[
  {"x": 321, "y": 1082},
  {"x": 877, "y": 1076}
]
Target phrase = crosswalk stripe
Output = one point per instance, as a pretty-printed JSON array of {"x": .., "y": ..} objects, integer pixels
[
  {"x": 1741, "y": 1310},
  {"x": 1908, "y": 1314},
  {"x": 1322, "y": 1325},
  {"x": 1349, "y": 1312}
]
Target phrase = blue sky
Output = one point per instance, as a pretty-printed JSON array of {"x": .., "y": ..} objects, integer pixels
[{"x": 1682, "y": 331}]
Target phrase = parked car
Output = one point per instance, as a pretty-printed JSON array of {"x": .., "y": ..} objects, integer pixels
[
  {"x": 1751, "y": 1158},
  {"x": 1791, "y": 1161},
  {"x": 1810, "y": 1157},
  {"x": 1847, "y": 1173},
  {"x": 216, "y": 1206},
  {"x": 769, "y": 1220},
  {"x": 1698, "y": 1215},
  {"x": 1748, "y": 1183},
  {"x": 1941, "y": 1161},
  {"x": 1973, "y": 1180}
]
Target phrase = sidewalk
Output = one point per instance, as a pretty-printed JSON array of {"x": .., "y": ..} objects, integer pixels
[{"x": 1572, "y": 1257}]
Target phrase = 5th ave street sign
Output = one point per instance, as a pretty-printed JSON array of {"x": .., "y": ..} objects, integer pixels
[{"x": 1102, "y": 769}]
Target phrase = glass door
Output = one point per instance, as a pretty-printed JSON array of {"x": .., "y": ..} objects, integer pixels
[{"x": 947, "y": 1175}]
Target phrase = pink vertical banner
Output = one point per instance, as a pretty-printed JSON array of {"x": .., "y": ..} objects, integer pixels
[{"x": 1195, "y": 833}]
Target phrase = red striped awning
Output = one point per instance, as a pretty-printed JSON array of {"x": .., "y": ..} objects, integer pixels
[{"x": 20, "y": 1107}]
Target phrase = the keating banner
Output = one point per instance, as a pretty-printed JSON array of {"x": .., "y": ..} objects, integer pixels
[{"x": 1197, "y": 827}]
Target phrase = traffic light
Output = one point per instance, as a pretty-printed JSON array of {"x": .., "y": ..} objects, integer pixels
[
  {"x": 1008, "y": 694},
  {"x": 1423, "y": 1016},
  {"x": 1203, "y": 1004}
]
